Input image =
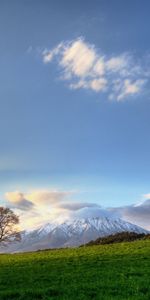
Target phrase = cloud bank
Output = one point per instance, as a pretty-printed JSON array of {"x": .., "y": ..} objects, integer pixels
[
  {"x": 137, "y": 213},
  {"x": 83, "y": 66},
  {"x": 40, "y": 207},
  {"x": 18, "y": 200}
]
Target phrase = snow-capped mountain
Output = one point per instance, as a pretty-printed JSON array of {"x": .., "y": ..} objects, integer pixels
[{"x": 71, "y": 233}]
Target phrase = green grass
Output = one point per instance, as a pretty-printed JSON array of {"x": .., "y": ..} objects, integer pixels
[{"x": 117, "y": 271}]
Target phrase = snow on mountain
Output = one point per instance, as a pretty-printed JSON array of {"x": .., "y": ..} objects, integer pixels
[{"x": 71, "y": 233}]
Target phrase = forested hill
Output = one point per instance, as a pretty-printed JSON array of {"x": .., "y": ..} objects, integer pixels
[{"x": 118, "y": 238}]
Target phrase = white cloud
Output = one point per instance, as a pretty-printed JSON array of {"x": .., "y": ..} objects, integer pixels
[
  {"x": 98, "y": 84},
  {"x": 84, "y": 67},
  {"x": 42, "y": 206},
  {"x": 99, "y": 67},
  {"x": 78, "y": 58},
  {"x": 117, "y": 63},
  {"x": 130, "y": 88},
  {"x": 94, "y": 84}
]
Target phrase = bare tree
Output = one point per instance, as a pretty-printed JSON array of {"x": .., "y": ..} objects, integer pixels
[{"x": 8, "y": 226}]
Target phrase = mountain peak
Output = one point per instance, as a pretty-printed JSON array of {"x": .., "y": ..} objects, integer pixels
[{"x": 72, "y": 233}]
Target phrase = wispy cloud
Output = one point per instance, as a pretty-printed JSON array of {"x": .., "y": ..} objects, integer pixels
[{"x": 83, "y": 66}]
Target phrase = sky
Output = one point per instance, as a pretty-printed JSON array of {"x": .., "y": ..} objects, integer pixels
[{"x": 74, "y": 109}]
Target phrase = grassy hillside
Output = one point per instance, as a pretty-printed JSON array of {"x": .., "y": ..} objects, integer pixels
[{"x": 117, "y": 271}]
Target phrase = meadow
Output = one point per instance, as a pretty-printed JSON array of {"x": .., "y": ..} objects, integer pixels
[{"x": 105, "y": 272}]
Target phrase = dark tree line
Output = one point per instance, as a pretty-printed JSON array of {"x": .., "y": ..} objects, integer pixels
[{"x": 119, "y": 238}]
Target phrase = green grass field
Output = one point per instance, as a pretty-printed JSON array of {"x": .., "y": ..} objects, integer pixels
[{"x": 117, "y": 271}]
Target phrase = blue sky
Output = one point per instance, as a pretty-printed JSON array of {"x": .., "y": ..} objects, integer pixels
[{"x": 54, "y": 135}]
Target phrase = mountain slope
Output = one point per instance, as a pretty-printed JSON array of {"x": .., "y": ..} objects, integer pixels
[{"x": 71, "y": 233}]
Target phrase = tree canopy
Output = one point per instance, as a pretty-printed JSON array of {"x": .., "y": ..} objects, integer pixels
[{"x": 8, "y": 226}]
